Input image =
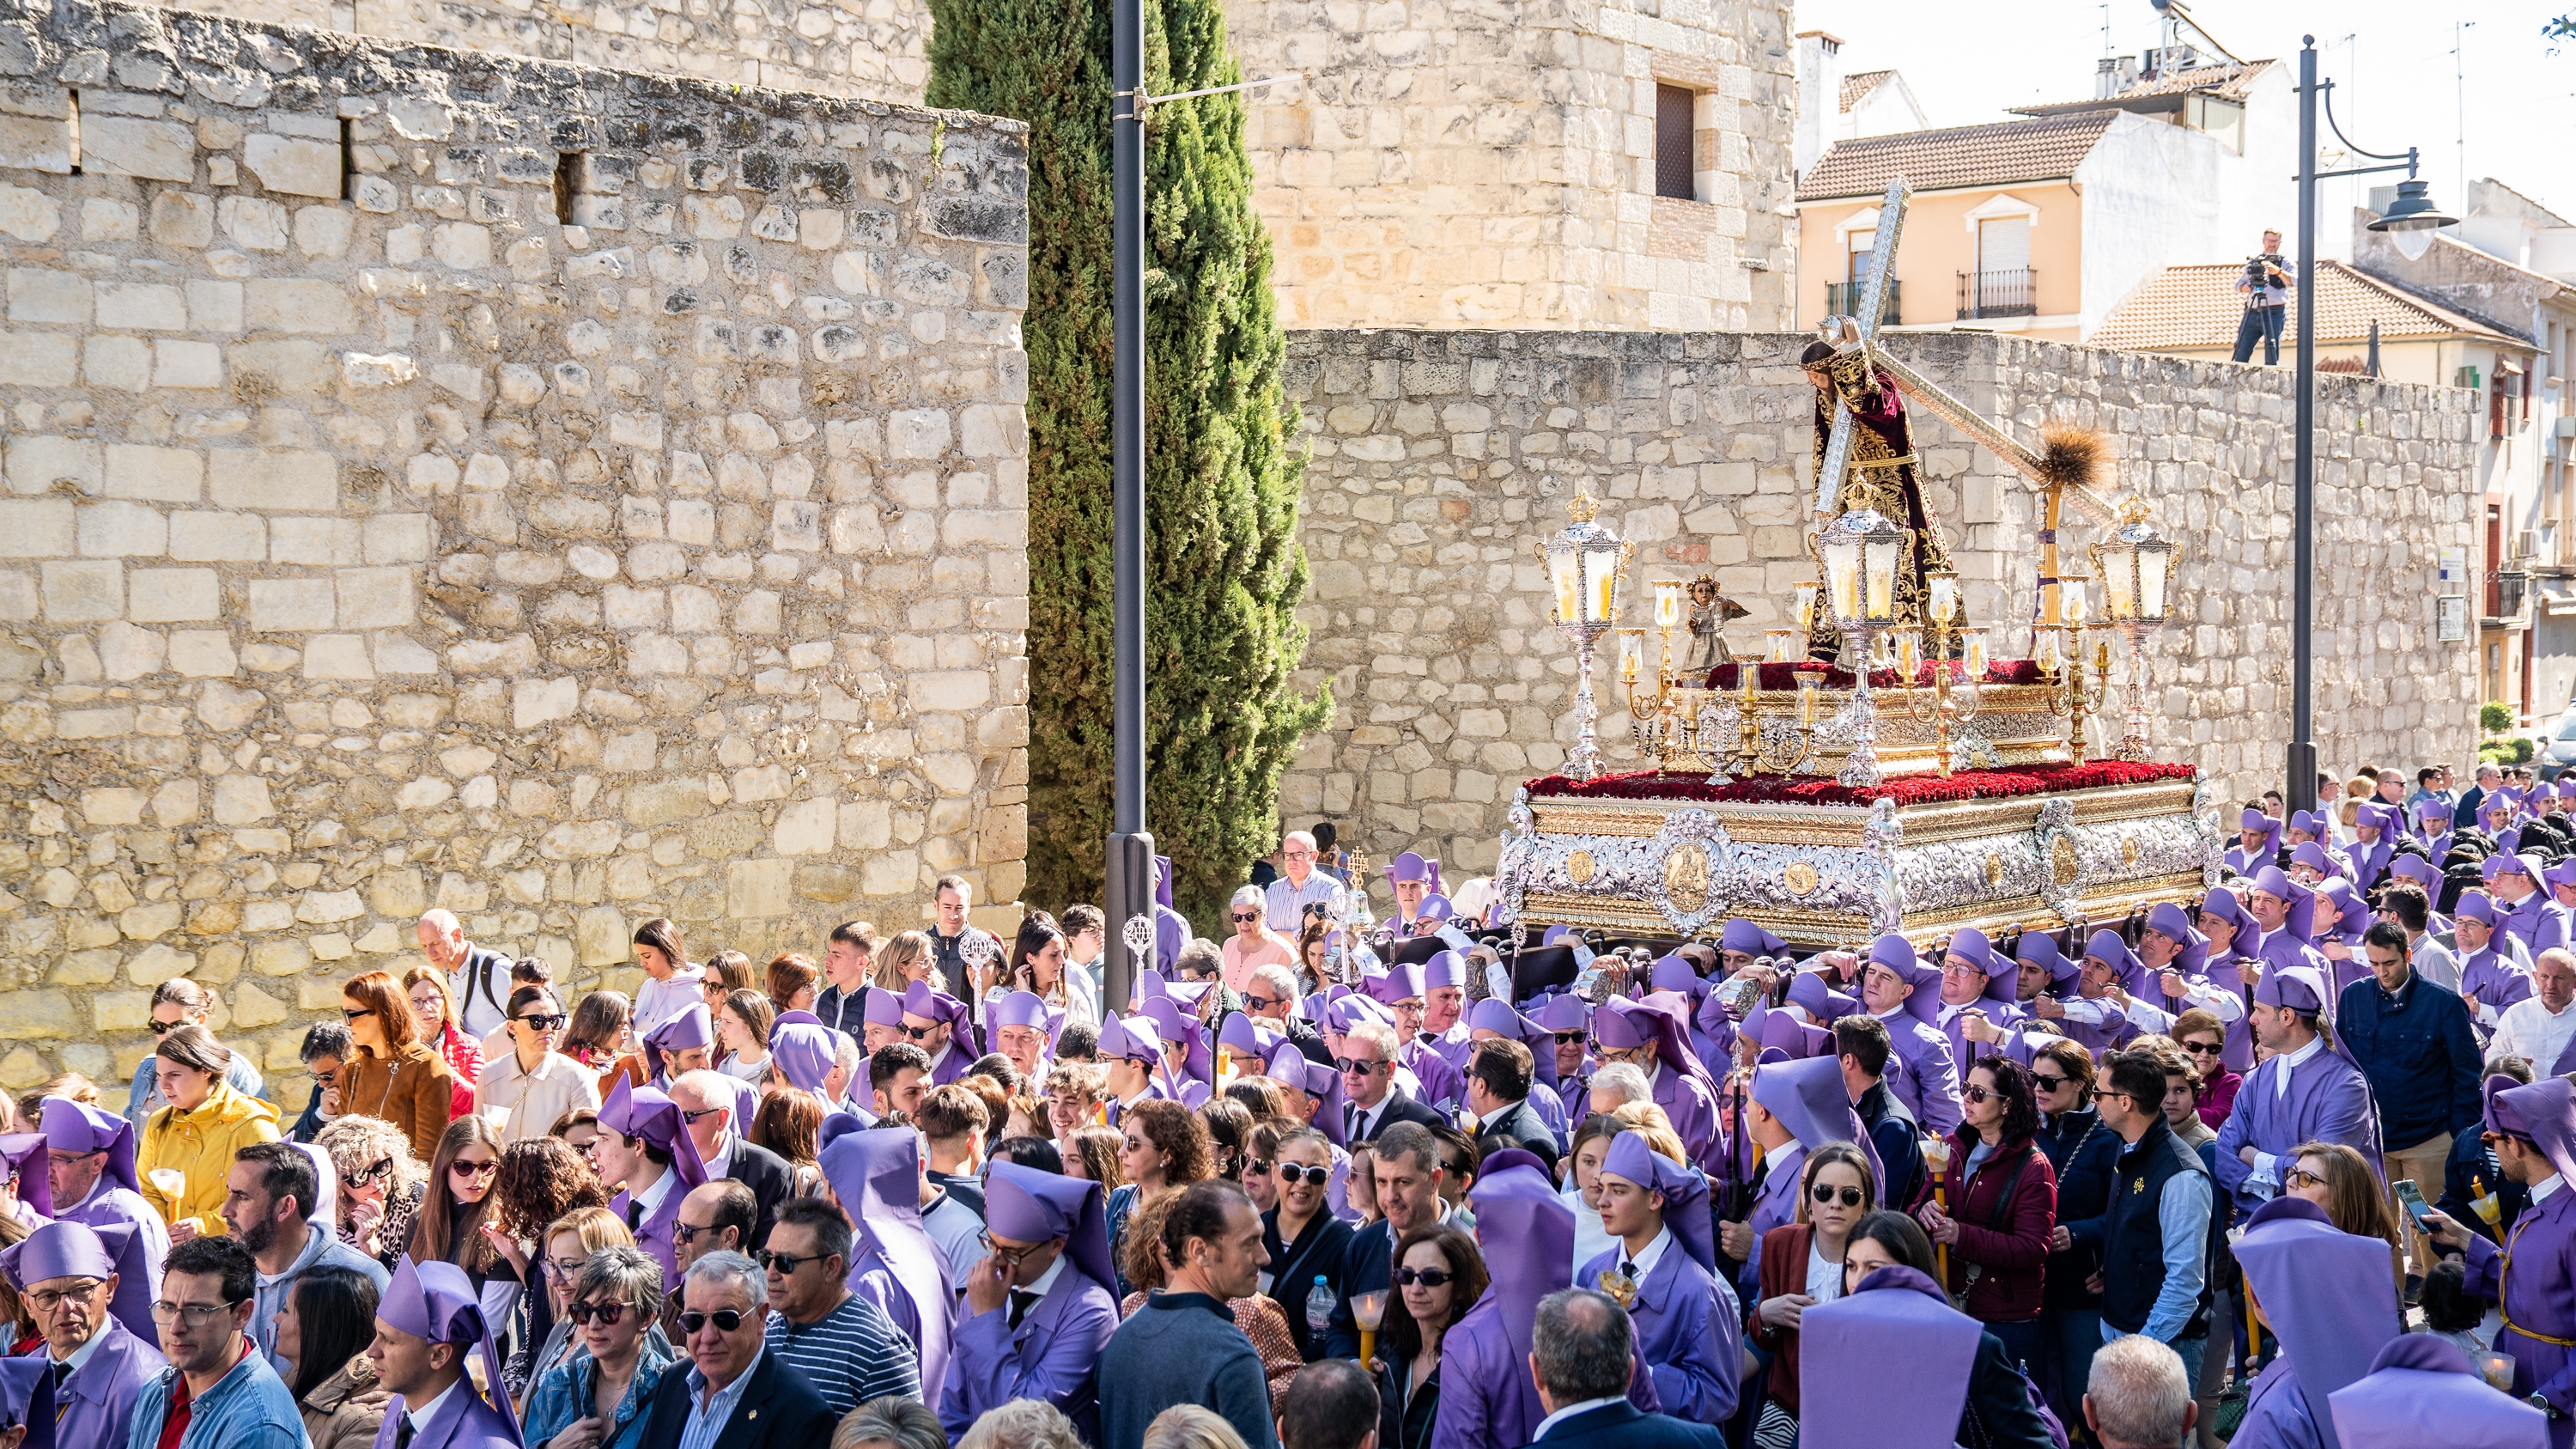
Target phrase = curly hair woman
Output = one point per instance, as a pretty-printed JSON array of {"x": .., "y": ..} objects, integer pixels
[
  {"x": 380, "y": 1184},
  {"x": 1163, "y": 1145}
]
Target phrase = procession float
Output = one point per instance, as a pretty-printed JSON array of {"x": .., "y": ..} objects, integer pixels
[{"x": 1873, "y": 770}]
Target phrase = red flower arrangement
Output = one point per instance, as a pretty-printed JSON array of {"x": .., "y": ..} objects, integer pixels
[
  {"x": 1785, "y": 676},
  {"x": 1822, "y": 790}
]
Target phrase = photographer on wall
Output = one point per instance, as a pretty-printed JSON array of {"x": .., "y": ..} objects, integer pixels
[{"x": 2266, "y": 284}]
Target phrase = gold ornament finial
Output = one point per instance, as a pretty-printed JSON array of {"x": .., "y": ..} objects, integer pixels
[
  {"x": 1581, "y": 508},
  {"x": 2133, "y": 509}
]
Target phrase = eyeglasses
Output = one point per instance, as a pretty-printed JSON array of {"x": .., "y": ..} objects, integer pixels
[
  {"x": 2103, "y": 1094},
  {"x": 1427, "y": 1277},
  {"x": 567, "y": 1269},
  {"x": 2203, "y": 1049},
  {"x": 1852, "y": 1197},
  {"x": 46, "y": 1300},
  {"x": 1976, "y": 1094},
  {"x": 383, "y": 1168},
  {"x": 1356, "y": 1066},
  {"x": 726, "y": 1320},
  {"x": 1290, "y": 1174},
  {"x": 1007, "y": 1257},
  {"x": 687, "y": 1233},
  {"x": 1242, "y": 916},
  {"x": 1569, "y": 1038},
  {"x": 194, "y": 1315},
  {"x": 325, "y": 1079},
  {"x": 606, "y": 1313},
  {"x": 691, "y": 1118},
  {"x": 2301, "y": 1177},
  {"x": 1262, "y": 1003},
  {"x": 462, "y": 1168},
  {"x": 2048, "y": 1082},
  {"x": 59, "y": 1158},
  {"x": 547, "y": 1022},
  {"x": 785, "y": 1264}
]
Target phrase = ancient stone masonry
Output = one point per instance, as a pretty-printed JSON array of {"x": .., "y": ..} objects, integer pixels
[
  {"x": 434, "y": 479},
  {"x": 1440, "y": 456}
]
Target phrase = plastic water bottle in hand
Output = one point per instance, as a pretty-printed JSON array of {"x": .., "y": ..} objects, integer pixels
[{"x": 1319, "y": 1306}]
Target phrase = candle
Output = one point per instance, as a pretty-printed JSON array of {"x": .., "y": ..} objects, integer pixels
[
  {"x": 1909, "y": 652},
  {"x": 1977, "y": 654}
]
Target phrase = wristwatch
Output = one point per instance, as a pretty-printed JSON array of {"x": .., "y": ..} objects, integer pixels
[{"x": 2540, "y": 1401}]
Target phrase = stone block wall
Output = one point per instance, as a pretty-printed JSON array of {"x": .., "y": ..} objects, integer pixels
[
  {"x": 875, "y": 50},
  {"x": 428, "y": 479},
  {"x": 1440, "y": 457},
  {"x": 1445, "y": 163}
]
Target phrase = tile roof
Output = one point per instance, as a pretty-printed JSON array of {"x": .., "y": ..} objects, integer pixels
[
  {"x": 1856, "y": 88},
  {"x": 2196, "y": 308},
  {"x": 2045, "y": 148},
  {"x": 2227, "y": 81}
]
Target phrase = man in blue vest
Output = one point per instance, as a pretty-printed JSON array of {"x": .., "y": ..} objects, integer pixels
[{"x": 2155, "y": 1234}]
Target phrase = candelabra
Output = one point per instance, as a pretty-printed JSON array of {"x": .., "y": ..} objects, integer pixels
[
  {"x": 1656, "y": 716},
  {"x": 1781, "y": 749},
  {"x": 1583, "y": 562},
  {"x": 2136, "y": 563},
  {"x": 1948, "y": 703},
  {"x": 1861, "y": 552},
  {"x": 2075, "y": 693}
]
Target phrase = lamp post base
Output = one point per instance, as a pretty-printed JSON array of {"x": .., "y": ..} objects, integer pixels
[{"x": 1585, "y": 762}]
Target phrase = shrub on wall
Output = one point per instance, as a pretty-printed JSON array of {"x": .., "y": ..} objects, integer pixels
[{"x": 1224, "y": 571}]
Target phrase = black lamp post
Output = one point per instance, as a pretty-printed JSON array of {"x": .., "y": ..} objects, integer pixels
[
  {"x": 2413, "y": 211},
  {"x": 1131, "y": 851}
]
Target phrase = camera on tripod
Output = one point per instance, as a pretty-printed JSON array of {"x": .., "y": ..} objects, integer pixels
[{"x": 2258, "y": 269}]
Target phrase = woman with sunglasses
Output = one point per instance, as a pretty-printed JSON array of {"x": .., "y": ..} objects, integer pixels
[
  {"x": 1253, "y": 942},
  {"x": 391, "y": 1074},
  {"x": 602, "y": 1397},
  {"x": 380, "y": 1184},
  {"x": 2002, "y": 1198},
  {"x": 528, "y": 1089},
  {"x": 1305, "y": 1239},
  {"x": 459, "y": 1199},
  {"x": 1439, "y": 1275},
  {"x": 2203, "y": 1039},
  {"x": 566, "y": 1245},
  {"x": 433, "y": 1012},
  {"x": 1802, "y": 1266}
]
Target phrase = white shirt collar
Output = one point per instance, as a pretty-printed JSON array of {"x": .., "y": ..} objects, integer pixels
[
  {"x": 1496, "y": 1115},
  {"x": 1571, "y": 1410},
  {"x": 650, "y": 1200},
  {"x": 420, "y": 1417},
  {"x": 2289, "y": 1061},
  {"x": 2541, "y": 1193},
  {"x": 1046, "y": 1280},
  {"x": 84, "y": 1353},
  {"x": 1654, "y": 1253}
]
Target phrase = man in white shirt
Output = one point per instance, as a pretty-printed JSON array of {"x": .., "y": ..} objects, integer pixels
[
  {"x": 1301, "y": 887},
  {"x": 2538, "y": 1027}
]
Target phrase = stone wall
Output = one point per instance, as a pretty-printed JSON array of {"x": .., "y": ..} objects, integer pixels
[
  {"x": 560, "y": 496},
  {"x": 875, "y": 50},
  {"x": 1439, "y": 457},
  {"x": 1446, "y": 163}
]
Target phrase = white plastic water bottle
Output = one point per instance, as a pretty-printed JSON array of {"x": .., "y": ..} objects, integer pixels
[{"x": 1319, "y": 1306}]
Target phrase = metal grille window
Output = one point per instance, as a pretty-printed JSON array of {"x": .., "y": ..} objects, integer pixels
[{"x": 1673, "y": 105}]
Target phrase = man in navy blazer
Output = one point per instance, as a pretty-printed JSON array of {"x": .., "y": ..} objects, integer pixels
[
  {"x": 1582, "y": 1354},
  {"x": 730, "y": 1377}
]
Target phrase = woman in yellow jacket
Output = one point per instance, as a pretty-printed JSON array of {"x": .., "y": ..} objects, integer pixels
[{"x": 188, "y": 1146}]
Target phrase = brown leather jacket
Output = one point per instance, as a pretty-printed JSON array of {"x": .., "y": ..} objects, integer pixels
[
  {"x": 347, "y": 1409},
  {"x": 414, "y": 1091}
]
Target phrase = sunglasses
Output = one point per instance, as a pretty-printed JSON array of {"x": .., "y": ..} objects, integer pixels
[
  {"x": 726, "y": 1320},
  {"x": 1259, "y": 1166},
  {"x": 1355, "y": 1065},
  {"x": 462, "y": 1168},
  {"x": 785, "y": 1264},
  {"x": 1262, "y": 1003},
  {"x": 384, "y": 1167},
  {"x": 164, "y": 1028},
  {"x": 2203, "y": 1049},
  {"x": 923, "y": 1033},
  {"x": 1243, "y": 916},
  {"x": 1568, "y": 1038},
  {"x": 2301, "y": 1177},
  {"x": 1427, "y": 1277},
  {"x": 353, "y": 1015},
  {"x": 1976, "y": 1094},
  {"x": 1852, "y": 1197},
  {"x": 552, "y": 1022},
  {"x": 2048, "y": 1083},
  {"x": 607, "y": 1313},
  {"x": 687, "y": 1233},
  {"x": 691, "y": 1118},
  {"x": 1290, "y": 1174}
]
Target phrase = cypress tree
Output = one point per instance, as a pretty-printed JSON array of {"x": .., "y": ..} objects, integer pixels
[{"x": 1224, "y": 570}]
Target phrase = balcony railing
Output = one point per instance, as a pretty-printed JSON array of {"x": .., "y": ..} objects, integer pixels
[
  {"x": 1842, "y": 299},
  {"x": 2505, "y": 593},
  {"x": 2013, "y": 292}
]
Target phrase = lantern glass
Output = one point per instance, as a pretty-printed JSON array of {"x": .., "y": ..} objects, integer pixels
[
  {"x": 1565, "y": 572},
  {"x": 1784, "y": 645},
  {"x": 1882, "y": 579},
  {"x": 2070, "y": 593},
  {"x": 1842, "y": 577},
  {"x": 1945, "y": 596},
  {"x": 1629, "y": 650},
  {"x": 1668, "y": 603},
  {"x": 2119, "y": 576},
  {"x": 1976, "y": 653},
  {"x": 1909, "y": 651},
  {"x": 2046, "y": 649},
  {"x": 1805, "y": 594},
  {"x": 1600, "y": 581},
  {"x": 2154, "y": 562}
]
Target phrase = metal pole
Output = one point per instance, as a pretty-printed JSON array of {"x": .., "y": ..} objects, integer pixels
[
  {"x": 2301, "y": 794},
  {"x": 1131, "y": 851}
]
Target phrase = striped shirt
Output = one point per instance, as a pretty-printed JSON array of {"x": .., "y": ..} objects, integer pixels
[
  {"x": 1287, "y": 903},
  {"x": 850, "y": 1355}
]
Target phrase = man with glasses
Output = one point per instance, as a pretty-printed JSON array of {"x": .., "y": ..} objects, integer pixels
[
  {"x": 65, "y": 1275},
  {"x": 180, "y": 1002},
  {"x": 706, "y": 1102},
  {"x": 735, "y": 1394},
  {"x": 1299, "y": 887},
  {"x": 1372, "y": 1100},
  {"x": 715, "y": 1217},
  {"x": 268, "y": 1197},
  {"x": 844, "y": 1347},
  {"x": 2155, "y": 1238},
  {"x": 1270, "y": 998},
  {"x": 1042, "y": 1304},
  {"x": 89, "y": 1167},
  {"x": 218, "y": 1392}
]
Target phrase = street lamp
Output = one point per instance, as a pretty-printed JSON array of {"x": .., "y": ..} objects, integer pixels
[
  {"x": 1861, "y": 551},
  {"x": 2414, "y": 214},
  {"x": 1584, "y": 560}
]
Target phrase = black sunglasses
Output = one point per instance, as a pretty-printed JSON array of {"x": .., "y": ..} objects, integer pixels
[
  {"x": 1568, "y": 1038},
  {"x": 1852, "y": 1197},
  {"x": 923, "y": 1033},
  {"x": 606, "y": 1313},
  {"x": 345, "y": 1011},
  {"x": 552, "y": 1022},
  {"x": 2204, "y": 1049},
  {"x": 687, "y": 1233},
  {"x": 2048, "y": 1083},
  {"x": 384, "y": 1167},
  {"x": 1240, "y": 918},
  {"x": 1975, "y": 1094},
  {"x": 1259, "y": 1166},
  {"x": 1291, "y": 1174},
  {"x": 1354, "y": 1064},
  {"x": 1261, "y": 1003},
  {"x": 785, "y": 1264},
  {"x": 691, "y": 1118},
  {"x": 727, "y": 1320},
  {"x": 164, "y": 1028},
  {"x": 1427, "y": 1277}
]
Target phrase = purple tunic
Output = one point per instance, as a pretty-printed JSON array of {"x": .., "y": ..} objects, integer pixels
[
  {"x": 2538, "y": 922},
  {"x": 1486, "y": 1397},
  {"x": 1693, "y": 1110},
  {"x": 1929, "y": 1086},
  {"x": 2328, "y": 1101},
  {"x": 109, "y": 1205},
  {"x": 462, "y": 1421},
  {"x": 2534, "y": 1278},
  {"x": 654, "y": 1235},
  {"x": 1444, "y": 1087},
  {"x": 2492, "y": 979},
  {"x": 97, "y": 1403},
  {"x": 1690, "y": 1333},
  {"x": 2277, "y": 1413},
  {"x": 1775, "y": 1202},
  {"x": 1049, "y": 1357}
]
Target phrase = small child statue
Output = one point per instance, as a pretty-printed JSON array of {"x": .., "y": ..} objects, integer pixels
[{"x": 1709, "y": 613}]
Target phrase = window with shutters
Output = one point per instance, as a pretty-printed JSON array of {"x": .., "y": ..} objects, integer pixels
[{"x": 1673, "y": 108}]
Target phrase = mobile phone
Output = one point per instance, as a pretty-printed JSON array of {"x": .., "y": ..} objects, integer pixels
[{"x": 2410, "y": 1198}]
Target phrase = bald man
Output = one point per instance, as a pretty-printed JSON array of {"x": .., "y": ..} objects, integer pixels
[{"x": 478, "y": 977}]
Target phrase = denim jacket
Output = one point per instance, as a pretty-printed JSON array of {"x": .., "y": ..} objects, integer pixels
[
  {"x": 249, "y": 1408},
  {"x": 564, "y": 1395}
]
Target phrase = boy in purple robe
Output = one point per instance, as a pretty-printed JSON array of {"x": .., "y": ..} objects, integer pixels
[
  {"x": 805, "y": 1051},
  {"x": 875, "y": 1175},
  {"x": 1527, "y": 1234},
  {"x": 1906, "y": 994},
  {"x": 2258, "y": 842},
  {"x": 2494, "y": 974},
  {"x": 93, "y": 1165},
  {"x": 2329, "y": 1299},
  {"x": 1131, "y": 1047},
  {"x": 1041, "y": 1307},
  {"x": 1653, "y": 1039},
  {"x": 1662, "y": 1267},
  {"x": 937, "y": 1023},
  {"x": 2375, "y": 828},
  {"x": 2422, "y": 1389},
  {"x": 2306, "y": 1091},
  {"x": 94, "y": 1402},
  {"x": 657, "y": 1160},
  {"x": 2532, "y": 1278},
  {"x": 427, "y": 1307}
]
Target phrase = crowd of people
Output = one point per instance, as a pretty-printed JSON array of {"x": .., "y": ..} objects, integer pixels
[{"x": 2281, "y": 1166}]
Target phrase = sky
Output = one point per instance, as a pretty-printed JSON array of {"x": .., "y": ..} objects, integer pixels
[{"x": 2397, "y": 80}]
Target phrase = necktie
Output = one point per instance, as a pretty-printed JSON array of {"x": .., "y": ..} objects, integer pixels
[
  {"x": 1628, "y": 1269},
  {"x": 402, "y": 1436},
  {"x": 634, "y": 1215},
  {"x": 1022, "y": 1300}
]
